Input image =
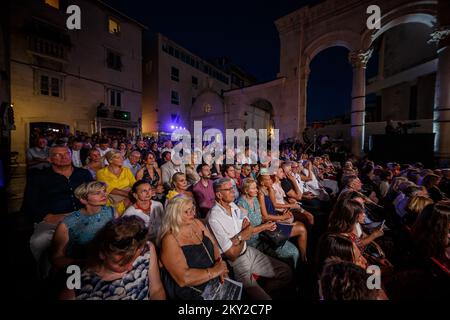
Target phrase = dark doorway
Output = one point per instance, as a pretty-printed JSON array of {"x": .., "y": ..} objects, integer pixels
[
  {"x": 114, "y": 132},
  {"x": 50, "y": 130}
]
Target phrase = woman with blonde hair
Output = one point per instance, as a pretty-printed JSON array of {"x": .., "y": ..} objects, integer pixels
[
  {"x": 119, "y": 180},
  {"x": 415, "y": 207},
  {"x": 77, "y": 229},
  {"x": 248, "y": 202},
  {"x": 189, "y": 253},
  {"x": 179, "y": 186},
  {"x": 266, "y": 199}
]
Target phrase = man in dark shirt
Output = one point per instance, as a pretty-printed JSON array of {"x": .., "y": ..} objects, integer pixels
[{"x": 49, "y": 197}]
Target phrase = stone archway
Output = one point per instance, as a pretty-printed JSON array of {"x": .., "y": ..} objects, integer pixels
[
  {"x": 259, "y": 115},
  {"x": 309, "y": 30},
  {"x": 208, "y": 108}
]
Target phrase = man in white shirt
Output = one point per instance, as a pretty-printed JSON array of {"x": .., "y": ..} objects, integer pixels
[
  {"x": 231, "y": 230},
  {"x": 103, "y": 149},
  {"x": 132, "y": 162}
]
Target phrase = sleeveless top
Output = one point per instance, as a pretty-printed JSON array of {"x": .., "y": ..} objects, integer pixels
[
  {"x": 82, "y": 229},
  {"x": 254, "y": 215},
  {"x": 196, "y": 257},
  {"x": 134, "y": 285},
  {"x": 269, "y": 205},
  {"x": 153, "y": 182}
]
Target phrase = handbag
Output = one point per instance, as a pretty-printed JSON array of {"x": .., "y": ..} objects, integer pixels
[
  {"x": 278, "y": 237},
  {"x": 375, "y": 256}
]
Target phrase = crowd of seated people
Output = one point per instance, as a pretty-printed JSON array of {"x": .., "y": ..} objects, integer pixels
[{"x": 143, "y": 225}]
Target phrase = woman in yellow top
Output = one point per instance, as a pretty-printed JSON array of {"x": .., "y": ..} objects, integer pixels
[{"x": 119, "y": 180}]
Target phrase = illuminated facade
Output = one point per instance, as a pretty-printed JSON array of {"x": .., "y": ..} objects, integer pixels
[
  {"x": 180, "y": 87},
  {"x": 86, "y": 80}
]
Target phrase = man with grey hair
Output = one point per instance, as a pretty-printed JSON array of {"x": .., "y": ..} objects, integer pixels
[
  {"x": 169, "y": 168},
  {"x": 37, "y": 157},
  {"x": 231, "y": 230},
  {"x": 132, "y": 162}
]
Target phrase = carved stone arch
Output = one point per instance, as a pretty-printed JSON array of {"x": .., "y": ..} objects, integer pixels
[
  {"x": 343, "y": 38},
  {"x": 263, "y": 104}
]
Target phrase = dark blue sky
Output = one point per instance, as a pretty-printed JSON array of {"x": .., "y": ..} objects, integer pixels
[{"x": 245, "y": 32}]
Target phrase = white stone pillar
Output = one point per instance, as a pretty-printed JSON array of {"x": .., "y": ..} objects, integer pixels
[
  {"x": 358, "y": 59},
  {"x": 441, "y": 118}
]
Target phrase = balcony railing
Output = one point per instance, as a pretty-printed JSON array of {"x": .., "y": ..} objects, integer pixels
[
  {"x": 48, "y": 48},
  {"x": 114, "y": 114}
]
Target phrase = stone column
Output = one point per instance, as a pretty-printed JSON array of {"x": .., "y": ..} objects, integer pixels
[
  {"x": 358, "y": 59},
  {"x": 441, "y": 118}
]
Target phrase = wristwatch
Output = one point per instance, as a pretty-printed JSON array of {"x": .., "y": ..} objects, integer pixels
[{"x": 239, "y": 237}]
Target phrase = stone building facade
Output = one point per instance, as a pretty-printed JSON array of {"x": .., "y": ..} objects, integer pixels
[
  {"x": 177, "y": 83},
  {"x": 310, "y": 30},
  {"x": 86, "y": 80}
]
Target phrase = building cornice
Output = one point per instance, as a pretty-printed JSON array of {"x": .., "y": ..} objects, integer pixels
[{"x": 255, "y": 87}]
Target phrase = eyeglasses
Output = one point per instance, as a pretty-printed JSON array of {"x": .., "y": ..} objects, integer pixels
[
  {"x": 126, "y": 242},
  {"x": 228, "y": 189},
  {"x": 60, "y": 155}
]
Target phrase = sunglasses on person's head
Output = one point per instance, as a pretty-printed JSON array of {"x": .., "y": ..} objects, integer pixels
[{"x": 128, "y": 241}]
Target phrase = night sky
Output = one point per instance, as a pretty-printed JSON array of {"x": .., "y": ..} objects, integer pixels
[{"x": 245, "y": 32}]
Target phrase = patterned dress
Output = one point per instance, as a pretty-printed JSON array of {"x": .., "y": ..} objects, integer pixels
[
  {"x": 134, "y": 285},
  {"x": 287, "y": 253}
]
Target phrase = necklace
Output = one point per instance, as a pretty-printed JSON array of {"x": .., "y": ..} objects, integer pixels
[{"x": 146, "y": 210}]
